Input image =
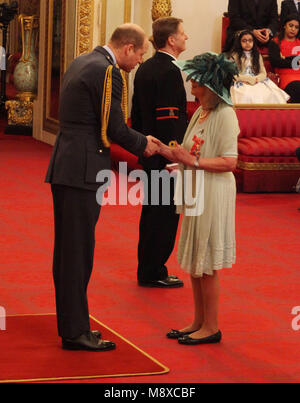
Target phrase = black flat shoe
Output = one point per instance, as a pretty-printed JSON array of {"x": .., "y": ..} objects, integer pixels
[
  {"x": 175, "y": 334},
  {"x": 214, "y": 338},
  {"x": 87, "y": 342},
  {"x": 169, "y": 282}
]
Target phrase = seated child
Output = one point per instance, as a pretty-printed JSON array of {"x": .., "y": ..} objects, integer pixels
[{"x": 252, "y": 85}]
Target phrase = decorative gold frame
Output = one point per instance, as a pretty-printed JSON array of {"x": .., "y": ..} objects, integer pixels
[
  {"x": 51, "y": 124},
  {"x": 84, "y": 44},
  {"x": 127, "y": 18},
  {"x": 85, "y": 26}
]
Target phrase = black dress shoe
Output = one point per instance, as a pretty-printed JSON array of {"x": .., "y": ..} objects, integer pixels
[
  {"x": 214, "y": 338},
  {"x": 96, "y": 333},
  {"x": 88, "y": 342},
  {"x": 172, "y": 276},
  {"x": 175, "y": 334},
  {"x": 168, "y": 282}
]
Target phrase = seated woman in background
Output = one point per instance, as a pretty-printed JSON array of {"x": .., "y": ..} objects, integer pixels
[
  {"x": 252, "y": 84},
  {"x": 283, "y": 52}
]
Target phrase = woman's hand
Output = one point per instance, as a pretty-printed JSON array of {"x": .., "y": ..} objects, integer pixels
[{"x": 180, "y": 154}]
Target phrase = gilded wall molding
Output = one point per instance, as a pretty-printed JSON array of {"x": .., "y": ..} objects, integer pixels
[
  {"x": 161, "y": 8},
  {"x": 85, "y": 26}
]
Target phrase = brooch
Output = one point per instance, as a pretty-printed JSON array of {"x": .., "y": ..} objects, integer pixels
[{"x": 196, "y": 149}]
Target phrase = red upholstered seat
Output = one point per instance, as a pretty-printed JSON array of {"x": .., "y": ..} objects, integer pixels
[
  {"x": 269, "y": 133},
  {"x": 268, "y": 146},
  {"x": 269, "y": 122}
]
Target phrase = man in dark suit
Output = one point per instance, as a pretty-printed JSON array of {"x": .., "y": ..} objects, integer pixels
[
  {"x": 81, "y": 151},
  {"x": 259, "y": 16},
  {"x": 289, "y": 7},
  {"x": 159, "y": 108}
]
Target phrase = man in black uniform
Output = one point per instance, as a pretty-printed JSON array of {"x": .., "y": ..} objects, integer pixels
[
  {"x": 81, "y": 151},
  {"x": 159, "y": 108},
  {"x": 258, "y": 16}
]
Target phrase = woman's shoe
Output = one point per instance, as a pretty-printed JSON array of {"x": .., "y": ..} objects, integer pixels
[
  {"x": 175, "y": 334},
  {"x": 214, "y": 338}
]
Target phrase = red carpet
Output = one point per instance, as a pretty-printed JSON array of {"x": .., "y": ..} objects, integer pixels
[
  {"x": 258, "y": 294},
  {"x": 32, "y": 353}
]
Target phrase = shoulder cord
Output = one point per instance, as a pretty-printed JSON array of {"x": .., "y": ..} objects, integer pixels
[
  {"x": 124, "y": 103},
  {"x": 106, "y": 103}
]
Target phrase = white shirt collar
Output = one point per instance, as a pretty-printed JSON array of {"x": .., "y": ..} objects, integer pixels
[
  {"x": 108, "y": 49},
  {"x": 173, "y": 57}
]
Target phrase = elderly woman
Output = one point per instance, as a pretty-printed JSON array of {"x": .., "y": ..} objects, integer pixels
[{"x": 207, "y": 241}]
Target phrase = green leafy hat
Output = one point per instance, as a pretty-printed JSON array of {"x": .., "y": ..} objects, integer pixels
[{"x": 212, "y": 70}]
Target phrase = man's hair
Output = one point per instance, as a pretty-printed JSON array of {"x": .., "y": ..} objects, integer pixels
[
  {"x": 128, "y": 34},
  {"x": 163, "y": 28}
]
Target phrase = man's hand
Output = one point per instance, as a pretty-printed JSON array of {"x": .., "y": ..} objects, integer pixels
[
  {"x": 153, "y": 146},
  {"x": 262, "y": 35},
  {"x": 266, "y": 33}
]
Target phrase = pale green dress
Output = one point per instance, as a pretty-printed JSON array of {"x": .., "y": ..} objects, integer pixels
[{"x": 207, "y": 242}]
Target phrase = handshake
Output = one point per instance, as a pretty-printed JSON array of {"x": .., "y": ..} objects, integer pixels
[
  {"x": 153, "y": 147},
  {"x": 175, "y": 154}
]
